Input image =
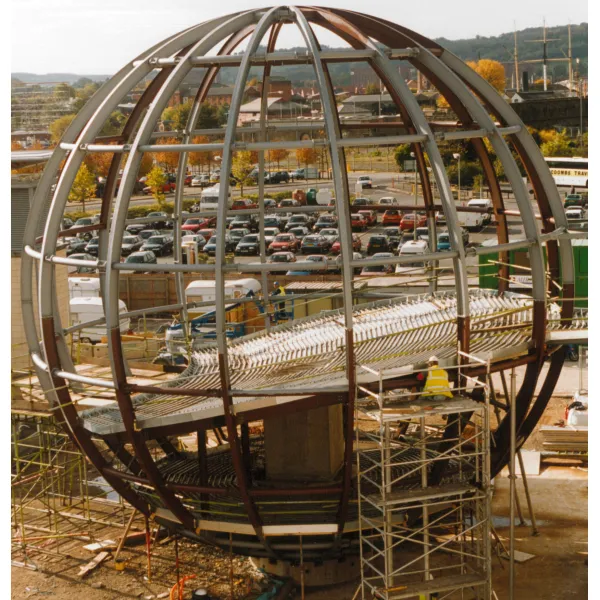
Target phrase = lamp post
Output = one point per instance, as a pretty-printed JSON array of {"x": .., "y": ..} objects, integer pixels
[
  {"x": 457, "y": 157},
  {"x": 414, "y": 157}
]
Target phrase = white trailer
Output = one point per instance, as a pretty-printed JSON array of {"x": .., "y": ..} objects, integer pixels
[
  {"x": 203, "y": 290},
  {"x": 88, "y": 287},
  {"x": 83, "y": 309}
]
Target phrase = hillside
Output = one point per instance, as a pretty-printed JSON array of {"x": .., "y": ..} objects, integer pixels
[{"x": 69, "y": 78}]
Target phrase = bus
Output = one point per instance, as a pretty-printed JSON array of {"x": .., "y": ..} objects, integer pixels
[{"x": 569, "y": 172}]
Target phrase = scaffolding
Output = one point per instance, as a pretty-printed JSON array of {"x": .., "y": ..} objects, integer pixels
[{"x": 424, "y": 493}]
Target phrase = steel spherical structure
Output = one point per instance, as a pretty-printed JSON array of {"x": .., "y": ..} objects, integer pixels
[{"x": 214, "y": 378}]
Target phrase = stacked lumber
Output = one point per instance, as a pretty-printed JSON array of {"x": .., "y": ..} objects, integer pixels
[{"x": 565, "y": 439}]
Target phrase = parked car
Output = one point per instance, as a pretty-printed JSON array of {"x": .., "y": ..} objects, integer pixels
[
  {"x": 410, "y": 221},
  {"x": 148, "y": 233},
  {"x": 313, "y": 258},
  {"x": 211, "y": 245},
  {"x": 206, "y": 233},
  {"x": 200, "y": 181},
  {"x": 423, "y": 233},
  {"x": 284, "y": 258},
  {"x": 443, "y": 240},
  {"x": 162, "y": 220},
  {"x": 161, "y": 245},
  {"x": 331, "y": 234},
  {"x": 271, "y": 232},
  {"x": 249, "y": 245},
  {"x": 361, "y": 202},
  {"x": 167, "y": 188},
  {"x": 299, "y": 220},
  {"x": 289, "y": 203},
  {"x": 67, "y": 223},
  {"x": 576, "y": 213},
  {"x": 414, "y": 250},
  {"x": 392, "y": 217},
  {"x": 238, "y": 234},
  {"x": 356, "y": 245},
  {"x": 142, "y": 257},
  {"x": 374, "y": 270},
  {"x": 87, "y": 221},
  {"x": 378, "y": 243},
  {"x": 339, "y": 262},
  {"x": 307, "y": 173},
  {"x": 194, "y": 224},
  {"x": 131, "y": 243},
  {"x": 269, "y": 203},
  {"x": 244, "y": 222},
  {"x": 272, "y": 221},
  {"x": 284, "y": 242},
  {"x": 137, "y": 228},
  {"x": 315, "y": 243},
  {"x": 277, "y": 177},
  {"x": 394, "y": 236},
  {"x": 243, "y": 203},
  {"x": 370, "y": 216},
  {"x": 358, "y": 222},
  {"x": 300, "y": 232},
  {"x": 325, "y": 221},
  {"x": 387, "y": 201},
  {"x": 82, "y": 270},
  {"x": 92, "y": 246},
  {"x": 76, "y": 246},
  {"x": 575, "y": 200},
  {"x": 198, "y": 239},
  {"x": 365, "y": 181}
]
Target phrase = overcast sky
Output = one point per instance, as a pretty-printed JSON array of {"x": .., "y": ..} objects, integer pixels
[{"x": 93, "y": 37}]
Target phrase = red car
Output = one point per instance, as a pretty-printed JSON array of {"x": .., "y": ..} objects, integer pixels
[
  {"x": 408, "y": 222},
  {"x": 284, "y": 242},
  {"x": 243, "y": 203},
  {"x": 194, "y": 224},
  {"x": 167, "y": 187},
  {"x": 356, "y": 245},
  {"x": 206, "y": 233},
  {"x": 188, "y": 180},
  {"x": 392, "y": 217},
  {"x": 370, "y": 216},
  {"x": 358, "y": 222}
]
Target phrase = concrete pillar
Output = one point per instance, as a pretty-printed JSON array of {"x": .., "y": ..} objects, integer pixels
[{"x": 305, "y": 446}]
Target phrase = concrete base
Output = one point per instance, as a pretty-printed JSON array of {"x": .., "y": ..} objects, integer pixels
[
  {"x": 305, "y": 446},
  {"x": 332, "y": 572}
]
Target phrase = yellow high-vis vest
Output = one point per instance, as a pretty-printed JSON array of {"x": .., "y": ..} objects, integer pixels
[{"x": 437, "y": 383}]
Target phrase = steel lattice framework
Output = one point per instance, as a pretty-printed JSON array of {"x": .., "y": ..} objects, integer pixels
[{"x": 483, "y": 115}]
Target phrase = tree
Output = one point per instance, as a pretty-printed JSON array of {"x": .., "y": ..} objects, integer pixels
[
  {"x": 175, "y": 118},
  {"x": 208, "y": 116},
  {"x": 156, "y": 180},
  {"x": 168, "y": 160},
  {"x": 222, "y": 114},
  {"x": 277, "y": 155},
  {"x": 99, "y": 162},
  {"x": 63, "y": 91},
  {"x": 372, "y": 88},
  {"x": 402, "y": 153},
  {"x": 557, "y": 145},
  {"x": 201, "y": 159},
  {"x": 58, "y": 127},
  {"x": 306, "y": 156},
  {"x": 492, "y": 71},
  {"x": 83, "y": 94},
  {"x": 114, "y": 124},
  {"x": 242, "y": 166},
  {"x": 441, "y": 102},
  {"x": 83, "y": 187}
]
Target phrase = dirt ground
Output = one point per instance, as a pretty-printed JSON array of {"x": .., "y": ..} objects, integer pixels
[{"x": 557, "y": 571}]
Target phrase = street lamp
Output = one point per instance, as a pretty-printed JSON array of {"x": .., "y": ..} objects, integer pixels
[
  {"x": 457, "y": 157},
  {"x": 414, "y": 157}
]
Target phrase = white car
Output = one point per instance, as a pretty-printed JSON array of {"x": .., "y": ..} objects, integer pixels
[
  {"x": 388, "y": 201},
  {"x": 200, "y": 180},
  {"x": 270, "y": 233},
  {"x": 331, "y": 234},
  {"x": 576, "y": 214},
  {"x": 413, "y": 249},
  {"x": 365, "y": 181}
]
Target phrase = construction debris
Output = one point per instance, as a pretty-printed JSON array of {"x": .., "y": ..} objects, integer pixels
[{"x": 95, "y": 562}]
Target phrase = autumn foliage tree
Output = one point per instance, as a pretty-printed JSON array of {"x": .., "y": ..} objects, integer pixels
[
  {"x": 492, "y": 71},
  {"x": 156, "y": 180},
  {"x": 306, "y": 156},
  {"x": 168, "y": 160},
  {"x": 58, "y": 127},
  {"x": 241, "y": 167},
  {"x": 202, "y": 159},
  {"x": 83, "y": 187},
  {"x": 277, "y": 155}
]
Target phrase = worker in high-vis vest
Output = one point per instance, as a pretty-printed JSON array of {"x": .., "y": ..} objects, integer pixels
[
  {"x": 437, "y": 386},
  {"x": 279, "y": 290}
]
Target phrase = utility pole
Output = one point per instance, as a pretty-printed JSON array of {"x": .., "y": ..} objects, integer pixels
[
  {"x": 570, "y": 57},
  {"x": 518, "y": 84}
]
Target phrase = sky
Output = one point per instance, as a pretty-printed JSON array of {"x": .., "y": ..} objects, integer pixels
[{"x": 92, "y": 37}]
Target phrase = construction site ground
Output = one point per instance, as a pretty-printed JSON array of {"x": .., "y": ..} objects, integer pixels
[{"x": 558, "y": 569}]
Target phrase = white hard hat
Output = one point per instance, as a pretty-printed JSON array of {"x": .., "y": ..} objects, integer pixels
[{"x": 433, "y": 359}]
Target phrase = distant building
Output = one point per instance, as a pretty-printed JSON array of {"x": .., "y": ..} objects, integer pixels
[{"x": 276, "y": 107}]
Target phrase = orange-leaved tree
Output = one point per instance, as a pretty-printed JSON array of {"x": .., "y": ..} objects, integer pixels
[
  {"x": 277, "y": 155},
  {"x": 306, "y": 156},
  {"x": 492, "y": 71},
  {"x": 168, "y": 160}
]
